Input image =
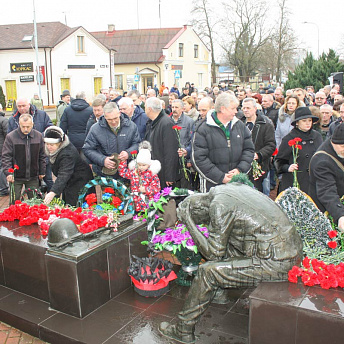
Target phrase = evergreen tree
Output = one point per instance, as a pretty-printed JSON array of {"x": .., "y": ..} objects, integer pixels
[
  {"x": 2, "y": 98},
  {"x": 314, "y": 72}
]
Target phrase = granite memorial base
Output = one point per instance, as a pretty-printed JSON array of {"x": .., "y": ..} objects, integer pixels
[
  {"x": 75, "y": 279},
  {"x": 288, "y": 313}
]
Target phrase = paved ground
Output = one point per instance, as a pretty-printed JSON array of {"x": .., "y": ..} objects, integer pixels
[{"x": 10, "y": 335}]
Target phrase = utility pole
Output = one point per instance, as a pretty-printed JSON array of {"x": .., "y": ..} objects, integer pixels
[{"x": 36, "y": 49}]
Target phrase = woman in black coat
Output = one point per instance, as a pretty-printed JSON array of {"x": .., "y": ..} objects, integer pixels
[
  {"x": 310, "y": 141},
  {"x": 71, "y": 171}
]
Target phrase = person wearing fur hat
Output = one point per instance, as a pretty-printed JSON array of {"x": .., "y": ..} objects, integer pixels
[
  {"x": 71, "y": 171},
  {"x": 302, "y": 121},
  {"x": 326, "y": 185},
  {"x": 143, "y": 175}
]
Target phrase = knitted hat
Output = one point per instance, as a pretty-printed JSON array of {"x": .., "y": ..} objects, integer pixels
[
  {"x": 54, "y": 135},
  {"x": 144, "y": 157},
  {"x": 338, "y": 135},
  {"x": 65, "y": 93}
]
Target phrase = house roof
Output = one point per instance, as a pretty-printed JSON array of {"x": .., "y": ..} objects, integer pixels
[
  {"x": 139, "y": 46},
  {"x": 49, "y": 35}
]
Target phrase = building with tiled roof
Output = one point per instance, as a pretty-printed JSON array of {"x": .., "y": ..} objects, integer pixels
[
  {"x": 69, "y": 58},
  {"x": 147, "y": 57}
]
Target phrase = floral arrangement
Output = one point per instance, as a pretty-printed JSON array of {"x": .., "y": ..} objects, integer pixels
[
  {"x": 110, "y": 201},
  {"x": 173, "y": 239},
  {"x": 177, "y": 128},
  {"x": 257, "y": 171},
  {"x": 86, "y": 221},
  {"x": 294, "y": 144},
  {"x": 12, "y": 193}
]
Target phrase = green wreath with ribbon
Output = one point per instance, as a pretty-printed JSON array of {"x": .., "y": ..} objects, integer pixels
[{"x": 112, "y": 183}]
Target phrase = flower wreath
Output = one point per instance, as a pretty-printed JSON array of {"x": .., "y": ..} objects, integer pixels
[{"x": 112, "y": 183}]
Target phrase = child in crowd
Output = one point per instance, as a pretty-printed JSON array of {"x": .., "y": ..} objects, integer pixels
[{"x": 143, "y": 175}]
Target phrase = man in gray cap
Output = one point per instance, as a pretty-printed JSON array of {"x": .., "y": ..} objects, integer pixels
[
  {"x": 326, "y": 176},
  {"x": 63, "y": 103}
]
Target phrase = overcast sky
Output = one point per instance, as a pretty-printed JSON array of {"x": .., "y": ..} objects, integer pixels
[{"x": 95, "y": 15}]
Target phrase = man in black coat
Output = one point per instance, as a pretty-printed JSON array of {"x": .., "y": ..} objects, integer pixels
[
  {"x": 326, "y": 176},
  {"x": 263, "y": 137},
  {"x": 270, "y": 108},
  {"x": 221, "y": 146},
  {"x": 164, "y": 142},
  {"x": 74, "y": 120}
]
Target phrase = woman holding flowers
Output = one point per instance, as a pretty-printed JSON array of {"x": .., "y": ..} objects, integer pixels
[{"x": 297, "y": 149}]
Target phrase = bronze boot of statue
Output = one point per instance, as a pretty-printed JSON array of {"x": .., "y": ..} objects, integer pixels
[{"x": 181, "y": 332}]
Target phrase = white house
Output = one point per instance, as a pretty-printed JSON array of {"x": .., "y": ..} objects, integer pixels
[{"x": 68, "y": 58}]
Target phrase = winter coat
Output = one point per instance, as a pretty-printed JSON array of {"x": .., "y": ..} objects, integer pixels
[
  {"x": 26, "y": 151},
  {"x": 272, "y": 112},
  {"x": 3, "y": 129},
  {"x": 188, "y": 126},
  {"x": 211, "y": 155},
  {"x": 71, "y": 171},
  {"x": 333, "y": 126},
  {"x": 164, "y": 142},
  {"x": 263, "y": 138},
  {"x": 283, "y": 126},
  {"x": 140, "y": 118},
  {"x": 175, "y": 90},
  {"x": 148, "y": 178},
  {"x": 102, "y": 142},
  {"x": 60, "y": 110},
  {"x": 41, "y": 120},
  {"x": 193, "y": 114},
  {"x": 326, "y": 185},
  {"x": 74, "y": 121},
  {"x": 89, "y": 124},
  {"x": 311, "y": 140}
]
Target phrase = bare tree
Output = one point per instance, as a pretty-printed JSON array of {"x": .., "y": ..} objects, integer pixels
[
  {"x": 247, "y": 34},
  {"x": 204, "y": 24}
]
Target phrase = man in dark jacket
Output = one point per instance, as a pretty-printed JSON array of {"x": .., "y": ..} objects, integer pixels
[
  {"x": 3, "y": 133},
  {"x": 326, "y": 185},
  {"x": 221, "y": 146},
  {"x": 74, "y": 120},
  {"x": 164, "y": 142},
  {"x": 135, "y": 113},
  {"x": 41, "y": 121},
  {"x": 24, "y": 147},
  {"x": 98, "y": 111},
  {"x": 113, "y": 133},
  {"x": 270, "y": 108},
  {"x": 263, "y": 137}
]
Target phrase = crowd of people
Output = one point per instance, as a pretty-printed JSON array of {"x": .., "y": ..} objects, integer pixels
[{"x": 200, "y": 138}]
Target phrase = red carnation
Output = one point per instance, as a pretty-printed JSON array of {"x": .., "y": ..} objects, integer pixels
[
  {"x": 298, "y": 147},
  {"x": 176, "y": 127},
  {"x": 16, "y": 167},
  {"x": 275, "y": 152},
  {"x": 109, "y": 190},
  {"x": 291, "y": 143},
  {"x": 332, "y": 244},
  {"x": 332, "y": 234},
  {"x": 11, "y": 170},
  {"x": 297, "y": 139},
  {"x": 134, "y": 152},
  {"x": 306, "y": 263}
]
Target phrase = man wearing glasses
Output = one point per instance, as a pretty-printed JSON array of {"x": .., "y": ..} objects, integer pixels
[{"x": 320, "y": 99}]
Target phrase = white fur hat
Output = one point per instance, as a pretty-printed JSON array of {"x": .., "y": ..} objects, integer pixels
[{"x": 144, "y": 157}]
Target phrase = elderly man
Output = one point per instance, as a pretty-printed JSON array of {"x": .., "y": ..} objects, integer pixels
[
  {"x": 221, "y": 146},
  {"x": 151, "y": 93},
  {"x": 320, "y": 99},
  {"x": 250, "y": 241},
  {"x": 330, "y": 99},
  {"x": 164, "y": 142},
  {"x": 113, "y": 133},
  {"x": 270, "y": 108},
  {"x": 326, "y": 185},
  {"x": 106, "y": 93},
  {"x": 263, "y": 137},
  {"x": 326, "y": 119},
  {"x": 24, "y": 147},
  {"x": 63, "y": 103},
  {"x": 135, "y": 113},
  {"x": 74, "y": 120},
  {"x": 335, "y": 124},
  {"x": 205, "y": 105}
]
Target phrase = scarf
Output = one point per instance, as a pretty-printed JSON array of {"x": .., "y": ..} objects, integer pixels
[{"x": 52, "y": 157}]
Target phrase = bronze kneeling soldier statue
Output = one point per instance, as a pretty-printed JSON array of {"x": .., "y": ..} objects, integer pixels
[{"x": 250, "y": 240}]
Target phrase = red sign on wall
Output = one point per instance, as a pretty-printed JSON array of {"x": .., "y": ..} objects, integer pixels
[{"x": 41, "y": 75}]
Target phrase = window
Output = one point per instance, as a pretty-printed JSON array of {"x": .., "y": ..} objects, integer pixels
[
  {"x": 195, "y": 51},
  {"x": 181, "y": 49},
  {"x": 81, "y": 44},
  {"x": 119, "y": 82}
]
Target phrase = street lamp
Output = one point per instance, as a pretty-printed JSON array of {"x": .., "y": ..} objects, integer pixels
[{"x": 305, "y": 22}]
